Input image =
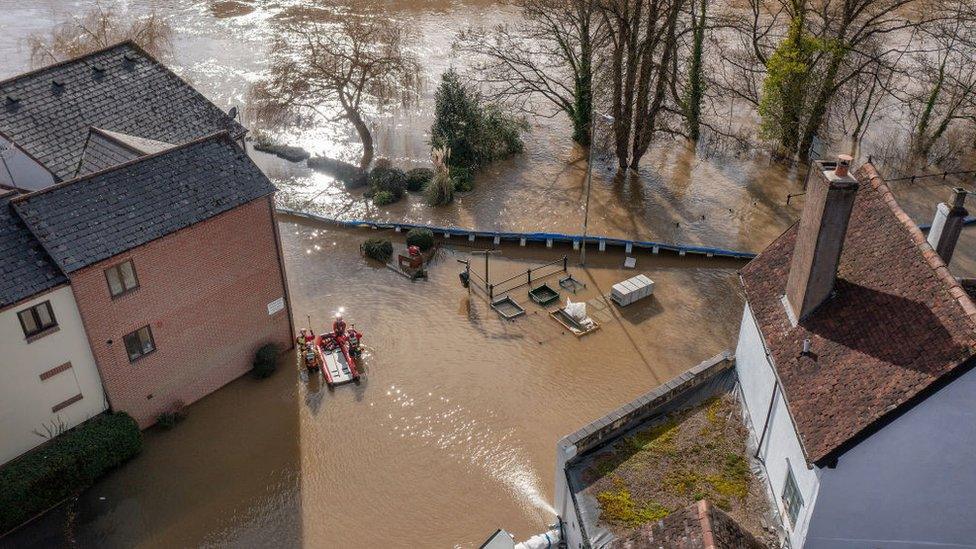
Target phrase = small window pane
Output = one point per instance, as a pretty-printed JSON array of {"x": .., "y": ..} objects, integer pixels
[
  {"x": 139, "y": 343},
  {"x": 792, "y": 500},
  {"x": 128, "y": 275},
  {"x": 114, "y": 282},
  {"x": 27, "y": 318},
  {"x": 44, "y": 314}
]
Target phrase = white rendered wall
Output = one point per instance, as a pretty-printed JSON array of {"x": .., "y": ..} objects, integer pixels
[
  {"x": 780, "y": 443},
  {"x": 27, "y": 174},
  {"x": 25, "y": 399},
  {"x": 911, "y": 484}
]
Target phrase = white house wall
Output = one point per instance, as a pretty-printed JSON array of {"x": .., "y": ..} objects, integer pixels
[
  {"x": 780, "y": 444},
  {"x": 26, "y": 401},
  {"x": 911, "y": 484},
  {"x": 17, "y": 170}
]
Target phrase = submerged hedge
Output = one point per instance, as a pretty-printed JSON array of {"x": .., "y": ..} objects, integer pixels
[{"x": 65, "y": 466}]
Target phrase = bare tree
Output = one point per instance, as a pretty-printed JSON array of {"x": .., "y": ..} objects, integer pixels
[
  {"x": 98, "y": 28},
  {"x": 948, "y": 77},
  {"x": 643, "y": 50},
  {"x": 339, "y": 67},
  {"x": 548, "y": 55}
]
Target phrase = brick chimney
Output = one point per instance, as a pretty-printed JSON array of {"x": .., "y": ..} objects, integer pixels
[
  {"x": 947, "y": 225},
  {"x": 820, "y": 237}
]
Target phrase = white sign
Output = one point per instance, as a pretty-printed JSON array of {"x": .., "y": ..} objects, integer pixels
[{"x": 276, "y": 305}]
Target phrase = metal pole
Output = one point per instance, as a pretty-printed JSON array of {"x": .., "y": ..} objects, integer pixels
[{"x": 589, "y": 181}]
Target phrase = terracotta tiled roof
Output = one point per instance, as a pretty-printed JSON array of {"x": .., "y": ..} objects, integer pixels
[
  {"x": 897, "y": 324},
  {"x": 699, "y": 526}
]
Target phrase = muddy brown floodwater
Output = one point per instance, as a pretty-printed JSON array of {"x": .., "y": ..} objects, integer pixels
[{"x": 451, "y": 435}]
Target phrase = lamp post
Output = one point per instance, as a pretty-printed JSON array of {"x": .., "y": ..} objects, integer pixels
[{"x": 589, "y": 181}]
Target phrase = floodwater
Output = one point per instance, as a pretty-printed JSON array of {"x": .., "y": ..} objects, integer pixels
[{"x": 451, "y": 435}]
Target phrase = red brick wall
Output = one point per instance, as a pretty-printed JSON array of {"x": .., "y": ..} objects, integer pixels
[{"x": 204, "y": 291}]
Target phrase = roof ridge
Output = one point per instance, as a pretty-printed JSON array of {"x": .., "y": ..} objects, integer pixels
[
  {"x": 932, "y": 259},
  {"x": 78, "y": 58},
  {"x": 221, "y": 135}
]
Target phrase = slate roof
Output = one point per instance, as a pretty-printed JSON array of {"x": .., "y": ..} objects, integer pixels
[
  {"x": 25, "y": 268},
  {"x": 699, "y": 526},
  {"x": 897, "y": 326},
  {"x": 48, "y": 112},
  {"x": 92, "y": 218},
  {"x": 105, "y": 149}
]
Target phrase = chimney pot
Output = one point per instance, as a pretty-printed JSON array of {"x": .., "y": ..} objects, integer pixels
[
  {"x": 843, "y": 165},
  {"x": 820, "y": 238}
]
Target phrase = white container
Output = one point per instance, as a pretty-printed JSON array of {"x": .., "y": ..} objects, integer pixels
[{"x": 631, "y": 290}]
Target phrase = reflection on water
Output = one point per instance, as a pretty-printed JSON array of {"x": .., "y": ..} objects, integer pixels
[{"x": 453, "y": 432}]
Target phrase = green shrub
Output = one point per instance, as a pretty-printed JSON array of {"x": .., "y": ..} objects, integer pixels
[
  {"x": 169, "y": 418},
  {"x": 422, "y": 238},
  {"x": 383, "y": 198},
  {"x": 65, "y": 466},
  {"x": 418, "y": 178},
  {"x": 379, "y": 249},
  {"x": 265, "y": 361},
  {"x": 475, "y": 131},
  {"x": 440, "y": 190},
  {"x": 390, "y": 180},
  {"x": 463, "y": 179}
]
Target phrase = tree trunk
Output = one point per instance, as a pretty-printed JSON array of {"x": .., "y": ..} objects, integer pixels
[
  {"x": 365, "y": 136},
  {"x": 819, "y": 110},
  {"x": 696, "y": 85}
]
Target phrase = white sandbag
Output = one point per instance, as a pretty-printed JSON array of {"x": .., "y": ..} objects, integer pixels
[{"x": 575, "y": 310}]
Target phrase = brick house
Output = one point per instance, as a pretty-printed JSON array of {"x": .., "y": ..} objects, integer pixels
[
  {"x": 138, "y": 193},
  {"x": 175, "y": 263},
  {"x": 855, "y": 360}
]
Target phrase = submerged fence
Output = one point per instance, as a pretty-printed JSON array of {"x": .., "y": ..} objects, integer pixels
[{"x": 522, "y": 238}]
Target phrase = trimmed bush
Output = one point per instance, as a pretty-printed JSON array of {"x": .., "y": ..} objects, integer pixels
[
  {"x": 383, "y": 198},
  {"x": 422, "y": 238},
  {"x": 379, "y": 249},
  {"x": 265, "y": 361},
  {"x": 418, "y": 178},
  {"x": 389, "y": 180},
  {"x": 65, "y": 466}
]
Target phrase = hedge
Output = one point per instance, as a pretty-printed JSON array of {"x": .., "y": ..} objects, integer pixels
[
  {"x": 389, "y": 180},
  {"x": 422, "y": 238},
  {"x": 65, "y": 466},
  {"x": 379, "y": 249}
]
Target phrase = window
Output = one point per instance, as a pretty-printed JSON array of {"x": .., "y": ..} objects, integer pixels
[
  {"x": 38, "y": 318},
  {"x": 139, "y": 343},
  {"x": 121, "y": 278},
  {"x": 792, "y": 500}
]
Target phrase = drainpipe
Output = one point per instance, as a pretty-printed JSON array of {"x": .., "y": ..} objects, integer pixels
[{"x": 769, "y": 413}]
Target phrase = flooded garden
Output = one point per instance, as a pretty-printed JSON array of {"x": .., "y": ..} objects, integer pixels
[{"x": 452, "y": 432}]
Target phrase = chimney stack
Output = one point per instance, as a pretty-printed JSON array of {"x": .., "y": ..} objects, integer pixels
[
  {"x": 820, "y": 237},
  {"x": 947, "y": 225}
]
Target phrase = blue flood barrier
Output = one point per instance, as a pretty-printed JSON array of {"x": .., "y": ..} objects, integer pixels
[{"x": 681, "y": 249}]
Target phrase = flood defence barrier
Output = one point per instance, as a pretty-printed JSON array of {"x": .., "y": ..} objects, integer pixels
[{"x": 522, "y": 238}]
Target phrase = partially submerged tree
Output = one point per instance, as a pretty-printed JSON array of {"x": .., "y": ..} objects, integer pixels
[
  {"x": 548, "y": 58},
  {"x": 475, "y": 131},
  {"x": 97, "y": 28},
  {"x": 340, "y": 68}
]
